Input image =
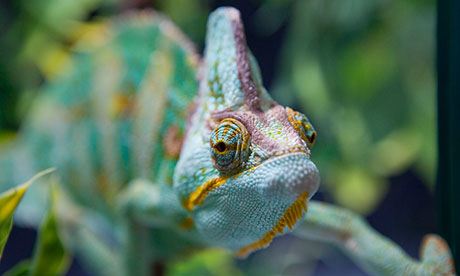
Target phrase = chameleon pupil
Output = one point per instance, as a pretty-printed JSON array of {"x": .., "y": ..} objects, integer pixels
[
  {"x": 221, "y": 146},
  {"x": 312, "y": 138}
]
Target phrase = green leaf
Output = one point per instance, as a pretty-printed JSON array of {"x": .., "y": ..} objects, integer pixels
[
  {"x": 21, "y": 269},
  {"x": 9, "y": 200},
  {"x": 209, "y": 262},
  {"x": 5, "y": 228},
  {"x": 50, "y": 256}
]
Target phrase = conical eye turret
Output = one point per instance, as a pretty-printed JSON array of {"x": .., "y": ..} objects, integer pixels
[
  {"x": 229, "y": 146},
  {"x": 303, "y": 126}
]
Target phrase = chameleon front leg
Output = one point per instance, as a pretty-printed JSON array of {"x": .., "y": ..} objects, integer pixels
[
  {"x": 145, "y": 205},
  {"x": 375, "y": 253},
  {"x": 151, "y": 203},
  {"x": 88, "y": 234},
  {"x": 135, "y": 250},
  {"x": 140, "y": 201}
]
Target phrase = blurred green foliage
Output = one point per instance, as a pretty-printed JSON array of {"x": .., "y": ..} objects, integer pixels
[
  {"x": 9, "y": 200},
  {"x": 50, "y": 256},
  {"x": 209, "y": 262},
  {"x": 6, "y": 220},
  {"x": 363, "y": 72}
]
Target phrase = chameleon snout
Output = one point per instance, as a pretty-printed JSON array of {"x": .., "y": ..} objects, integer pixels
[
  {"x": 287, "y": 176},
  {"x": 239, "y": 211}
]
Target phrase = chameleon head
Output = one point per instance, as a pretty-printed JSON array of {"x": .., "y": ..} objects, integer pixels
[{"x": 244, "y": 173}]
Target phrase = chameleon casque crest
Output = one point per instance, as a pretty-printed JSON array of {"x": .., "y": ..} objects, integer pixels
[{"x": 148, "y": 155}]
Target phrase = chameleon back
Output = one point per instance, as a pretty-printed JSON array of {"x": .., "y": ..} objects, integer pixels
[{"x": 105, "y": 119}]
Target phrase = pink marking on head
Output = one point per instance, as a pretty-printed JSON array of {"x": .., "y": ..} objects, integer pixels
[
  {"x": 270, "y": 145},
  {"x": 251, "y": 94}
]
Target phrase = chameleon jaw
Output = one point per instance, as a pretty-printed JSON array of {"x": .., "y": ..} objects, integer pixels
[
  {"x": 197, "y": 197},
  {"x": 244, "y": 212},
  {"x": 289, "y": 219}
]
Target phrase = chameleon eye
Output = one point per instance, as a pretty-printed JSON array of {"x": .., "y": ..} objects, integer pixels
[
  {"x": 229, "y": 146},
  {"x": 303, "y": 126},
  {"x": 220, "y": 147}
]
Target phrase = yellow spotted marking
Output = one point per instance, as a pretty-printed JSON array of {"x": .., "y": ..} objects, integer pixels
[
  {"x": 226, "y": 130},
  {"x": 244, "y": 132},
  {"x": 121, "y": 104},
  {"x": 289, "y": 219},
  {"x": 102, "y": 183},
  {"x": 297, "y": 124},
  {"x": 187, "y": 224}
]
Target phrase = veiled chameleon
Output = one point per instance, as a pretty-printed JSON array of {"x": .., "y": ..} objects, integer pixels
[{"x": 159, "y": 152}]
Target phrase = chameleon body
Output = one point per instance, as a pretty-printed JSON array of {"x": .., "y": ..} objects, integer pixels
[{"x": 154, "y": 162}]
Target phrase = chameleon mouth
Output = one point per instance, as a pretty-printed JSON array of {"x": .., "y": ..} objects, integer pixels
[{"x": 289, "y": 219}]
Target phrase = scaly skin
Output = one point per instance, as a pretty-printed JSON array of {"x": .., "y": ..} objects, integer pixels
[{"x": 153, "y": 164}]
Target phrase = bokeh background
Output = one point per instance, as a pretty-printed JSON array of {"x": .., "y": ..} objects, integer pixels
[{"x": 362, "y": 70}]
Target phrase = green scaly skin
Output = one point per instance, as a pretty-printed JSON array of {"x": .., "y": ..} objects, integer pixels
[{"x": 154, "y": 163}]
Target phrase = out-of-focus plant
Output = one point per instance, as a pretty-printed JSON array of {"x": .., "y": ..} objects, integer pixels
[
  {"x": 9, "y": 200},
  {"x": 363, "y": 72},
  {"x": 215, "y": 262},
  {"x": 50, "y": 257},
  {"x": 39, "y": 35},
  {"x": 189, "y": 15}
]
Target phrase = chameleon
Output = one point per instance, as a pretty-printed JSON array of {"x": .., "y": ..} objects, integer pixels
[{"x": 159, "y": 152}]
